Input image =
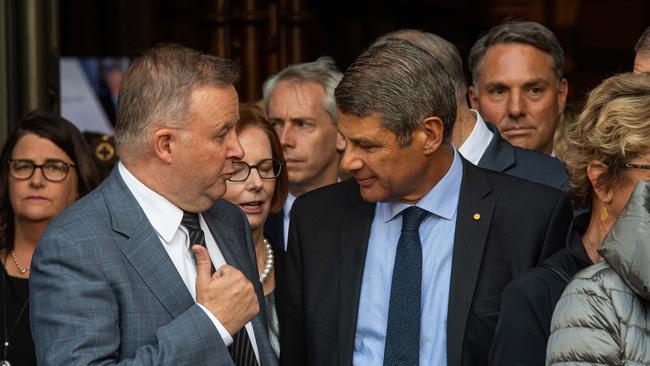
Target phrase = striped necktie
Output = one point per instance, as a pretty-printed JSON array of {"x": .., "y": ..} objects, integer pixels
[{"x": 241, "y": 349}]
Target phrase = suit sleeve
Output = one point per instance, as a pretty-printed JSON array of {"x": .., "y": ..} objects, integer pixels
[
  {"x": 292, "y": 336},
  {"x": 75, "y": 315},
  {"x": 557, "y": 228},
  {"x": 519, "y": 339}
]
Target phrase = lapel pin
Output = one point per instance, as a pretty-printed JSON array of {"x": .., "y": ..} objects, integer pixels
[{"x": 477, "y": 216}]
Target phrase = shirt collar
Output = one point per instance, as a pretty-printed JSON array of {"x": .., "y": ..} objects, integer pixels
[
  {"x": 441, "y": 200},
  {"x": 287, "y": 205},
  {"x": 163, "y": 215},
  {"x": 478, "y": 140}
]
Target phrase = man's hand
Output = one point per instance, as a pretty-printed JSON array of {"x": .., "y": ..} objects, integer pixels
[{"x": 227, "y": 293}]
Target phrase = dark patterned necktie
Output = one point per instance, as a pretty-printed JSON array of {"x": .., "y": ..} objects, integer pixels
[
  {"x": 191, "y": 223},
  {"x": 241, "y": 349},
  {"x": 403, "y": 330}
]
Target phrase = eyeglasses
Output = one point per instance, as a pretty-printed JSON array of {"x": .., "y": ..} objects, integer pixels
[
  {"x": 267, "y": 169},
  {"x": 52, "y": 170},
  {"x": 637, "y": 166}
]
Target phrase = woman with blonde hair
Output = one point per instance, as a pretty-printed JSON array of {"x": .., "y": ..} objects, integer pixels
[
  {"x": 604, "y": 154},
  {"x": 603, "y": 315}
]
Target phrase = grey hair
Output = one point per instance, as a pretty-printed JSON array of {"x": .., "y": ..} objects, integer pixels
[
  {"x": 322, "y": 71},
  {"x": 402, "y": 84},
  {"x": 441, "y": 49},
  {"x": 157, "y": 87},
  {"x": 529, "y": 33},
  {"x": 643, "y": 44}
]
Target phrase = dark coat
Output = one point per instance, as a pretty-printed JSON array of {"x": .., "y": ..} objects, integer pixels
[
  {"x": 528, "y": 302},
  {"x": 530, "y": 165}
]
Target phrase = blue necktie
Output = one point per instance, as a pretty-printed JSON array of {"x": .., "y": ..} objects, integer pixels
[{"x": 403, "y": 331}]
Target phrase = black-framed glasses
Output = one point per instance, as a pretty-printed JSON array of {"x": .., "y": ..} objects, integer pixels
[
  {"x": 637, "y": 166},
  {"x": 52, "y": 170},
  {"x": 267, "y": 169}
]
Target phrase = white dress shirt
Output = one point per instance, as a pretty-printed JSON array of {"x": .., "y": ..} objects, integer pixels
[
  {"x": 286, "y": 211},
  {"x": 478, "y": 140},
  {"x": 166, "y": 218}
]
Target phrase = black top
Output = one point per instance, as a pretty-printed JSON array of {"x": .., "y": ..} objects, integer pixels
[
  {"x": 528, "y": 302},
  {"x": 21, "y": 346}
]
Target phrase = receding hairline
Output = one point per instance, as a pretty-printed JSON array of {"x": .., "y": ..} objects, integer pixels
[{"x": 298, "y": 84}]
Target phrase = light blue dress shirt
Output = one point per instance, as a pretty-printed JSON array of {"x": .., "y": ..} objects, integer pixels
[{"x": 437, "y": 237}]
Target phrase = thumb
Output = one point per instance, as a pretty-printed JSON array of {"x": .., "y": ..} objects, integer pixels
[{"x": 203, "y": 263}]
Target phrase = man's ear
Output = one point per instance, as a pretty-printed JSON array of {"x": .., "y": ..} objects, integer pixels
[
  {"x": 340, "y": 142},
  {"x": 562, "y": 95},
  {"x": 595, "y": 170},
  {"x": 431, "y": 130},
  {"x": 166, "y": 142},
  {"x": 473, "y": 97}
]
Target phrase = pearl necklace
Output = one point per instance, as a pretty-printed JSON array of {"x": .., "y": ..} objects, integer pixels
[
  {"x": 20, "y": 267},
  {"x": 268, "y": 263}
]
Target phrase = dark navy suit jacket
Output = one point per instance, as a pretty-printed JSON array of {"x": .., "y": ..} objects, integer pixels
[{"x": 523, "y": 163}]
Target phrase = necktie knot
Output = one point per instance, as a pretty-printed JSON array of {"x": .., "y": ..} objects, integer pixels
[
  {"x": 412, "y": 218},
  {"x": 191, "y": 222}
]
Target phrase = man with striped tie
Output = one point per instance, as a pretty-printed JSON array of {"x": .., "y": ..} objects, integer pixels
[{"x": 127, "y": 276}]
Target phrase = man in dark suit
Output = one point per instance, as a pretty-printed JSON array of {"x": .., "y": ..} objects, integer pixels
[
  {"x": 405, "y": 264},
  {"x": 477, "y": 140},
  {"x": 114, "y": 278},
  {"x": 518, "y": 83}
]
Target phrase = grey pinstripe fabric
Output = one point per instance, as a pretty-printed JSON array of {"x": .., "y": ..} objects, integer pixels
[{"x": 104, "y": 291}]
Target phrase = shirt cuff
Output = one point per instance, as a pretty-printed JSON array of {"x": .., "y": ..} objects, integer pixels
[{"x": 227, "y": 338}]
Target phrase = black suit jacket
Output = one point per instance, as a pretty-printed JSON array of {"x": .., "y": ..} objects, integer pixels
[
  {"x": 274, "y": 230},
  {"x": 523, "y": 163},
  {"x": 520, "y": 224}
]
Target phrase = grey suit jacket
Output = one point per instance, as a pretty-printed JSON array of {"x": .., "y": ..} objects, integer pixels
[
  {"x": 533, "y": 166},
  {"x": 104, "y": 291}
]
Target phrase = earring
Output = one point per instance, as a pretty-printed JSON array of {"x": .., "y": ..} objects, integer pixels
[{"x": 603, "y": 214}]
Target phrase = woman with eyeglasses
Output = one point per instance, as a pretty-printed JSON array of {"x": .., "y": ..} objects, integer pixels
[
  {"x": 603, "y": 316},
  {"x": 46, "y": 166},
  {"x": 259, "y": 185},
  {"x": 606, "y": 154}
]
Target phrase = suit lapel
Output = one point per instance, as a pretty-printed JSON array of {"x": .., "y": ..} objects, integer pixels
[
  {"x": 472, "y": 227},
  {"x": 233, "y": 249},
  {"x": 355, "y": 232},
  {"x": 143, "y": 248},
  {"x": 499, "y": 155}
]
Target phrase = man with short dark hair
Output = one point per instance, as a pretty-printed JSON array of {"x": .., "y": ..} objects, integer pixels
[
  {"x": 478, "y": 140},
  {"x": 518, "y": 83},
  {"x": 405, "y": 263},
  {"x": 127, "y": 274}
]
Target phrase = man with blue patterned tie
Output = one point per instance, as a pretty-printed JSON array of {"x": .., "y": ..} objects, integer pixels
[{"x": 405, "y": 264}]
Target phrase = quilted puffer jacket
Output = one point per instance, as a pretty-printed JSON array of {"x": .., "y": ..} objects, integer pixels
[{"x": 603, "y": 316}]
